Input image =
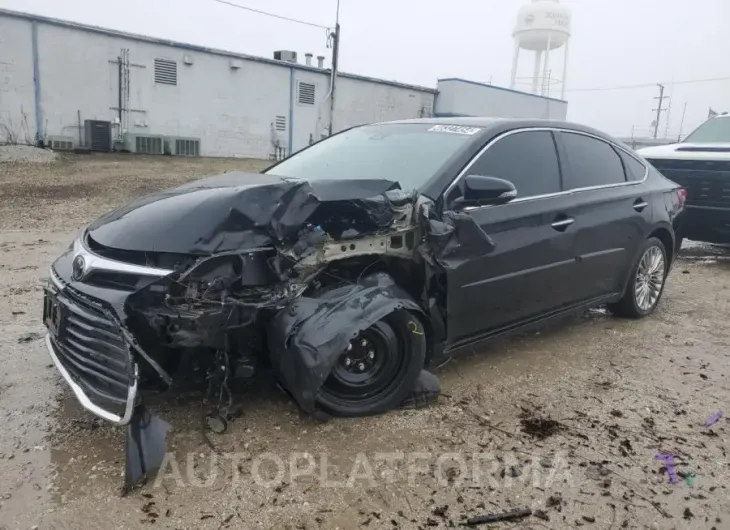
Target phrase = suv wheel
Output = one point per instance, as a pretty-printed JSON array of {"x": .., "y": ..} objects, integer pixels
[
  {"x": 379, "y": 369},
  {"x": 645, "y": 287}
]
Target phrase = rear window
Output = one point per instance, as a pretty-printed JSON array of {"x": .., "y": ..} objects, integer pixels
[
  {"x": 407, "y": 153},
  {"x": 592, "y": 162},
  {"x": 716, "y": 130}
]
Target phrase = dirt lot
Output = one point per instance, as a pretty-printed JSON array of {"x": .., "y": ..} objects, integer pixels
[{"x": 566, "y": 421}]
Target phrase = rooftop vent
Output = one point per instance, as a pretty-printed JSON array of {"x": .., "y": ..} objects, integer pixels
[{"x": 286, "y": 56}]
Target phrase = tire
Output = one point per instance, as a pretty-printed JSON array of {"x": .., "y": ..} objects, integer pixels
[
  {"x": 397, "y": 344},
  {"x": 637, "y": 301}
]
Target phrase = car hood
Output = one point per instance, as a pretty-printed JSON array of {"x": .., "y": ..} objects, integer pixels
[
  {"x": 237, "y": 211},
  {"x": 688, "y": 151}
]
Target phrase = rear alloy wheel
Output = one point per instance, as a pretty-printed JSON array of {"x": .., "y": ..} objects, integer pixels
[
  {"x": 647, "y": 282},
  {"x": 379, "y": 368}
]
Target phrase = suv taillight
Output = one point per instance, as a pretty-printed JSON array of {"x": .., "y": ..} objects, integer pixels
[{"x": 682, "y": 194}]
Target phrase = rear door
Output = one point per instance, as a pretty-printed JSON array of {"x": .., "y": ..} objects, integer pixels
[
  {"x": 611, "y": 210},
  {"x": 532, "y": 267}
]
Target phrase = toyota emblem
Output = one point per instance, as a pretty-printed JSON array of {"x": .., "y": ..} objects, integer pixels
[{"x": 78, "y": 268}]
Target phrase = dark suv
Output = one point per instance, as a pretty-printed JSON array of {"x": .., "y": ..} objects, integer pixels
[{"x": 350, "y": 266}]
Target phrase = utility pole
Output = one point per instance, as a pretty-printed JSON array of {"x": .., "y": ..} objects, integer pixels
[
  {"x": 681, "y": 123},
  {"x": 659, "y": 109},
  {"x": 669, "y": 114},
  {"x": 335, "y": 61}
]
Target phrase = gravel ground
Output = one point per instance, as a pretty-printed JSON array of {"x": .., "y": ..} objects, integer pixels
[{"x": 566, "y": 421}]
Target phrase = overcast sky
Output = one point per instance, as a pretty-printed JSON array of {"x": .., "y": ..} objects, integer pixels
[{"x": 614, "y": 43}]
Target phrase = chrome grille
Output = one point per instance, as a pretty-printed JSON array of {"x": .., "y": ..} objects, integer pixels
[{"x": 89, "y": 345}]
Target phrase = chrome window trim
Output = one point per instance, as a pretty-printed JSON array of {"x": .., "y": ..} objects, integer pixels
[
  {"x": 94, "y": 263},
  {"x": 615, "y": 145}
]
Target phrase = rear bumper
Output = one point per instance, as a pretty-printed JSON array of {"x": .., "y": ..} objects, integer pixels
[
  {"x": 85, "y": 400},
  {"x": 707, "y": 223}
]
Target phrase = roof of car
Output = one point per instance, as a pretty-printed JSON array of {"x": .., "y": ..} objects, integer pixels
[
  {"x": 507, "y": 123},
  {"x": 456, "y": 120}
]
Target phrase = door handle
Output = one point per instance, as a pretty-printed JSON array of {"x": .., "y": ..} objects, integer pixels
[
  {"x": 640, "y": 204},
  {"x": 562, "y": 224}
]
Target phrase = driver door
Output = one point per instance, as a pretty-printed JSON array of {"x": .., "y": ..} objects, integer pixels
[{"x": 530, "y": 271}]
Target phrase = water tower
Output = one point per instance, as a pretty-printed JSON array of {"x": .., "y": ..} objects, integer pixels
[{"x": 542, "y": 27}]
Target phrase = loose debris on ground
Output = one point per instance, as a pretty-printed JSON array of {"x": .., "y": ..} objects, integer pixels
[{"x": 537, "y": 425}]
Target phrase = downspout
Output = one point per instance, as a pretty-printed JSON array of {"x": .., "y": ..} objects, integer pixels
[
  {"x": 291, "y": 110},
  {"x": 39, "y": 137},
  {"x": 322, "y": 104},
  {"x": 333, "y": 79},
  {"x": 120, "y": 95}
]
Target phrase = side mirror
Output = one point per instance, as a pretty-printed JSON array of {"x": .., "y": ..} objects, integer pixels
[{"x": 477, "y": 190}]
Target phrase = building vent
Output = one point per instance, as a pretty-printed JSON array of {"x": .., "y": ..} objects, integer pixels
[
  {"x": 178, "y": 146},
  {"x": 306, "y": 93},
  {"x": 60, "y": 143},
  {"x": 143, "y": 144},
  {"x": 165, "y": 72},
  {"x": 281, "y": 123},
  {"x": 98, "y": 135}
]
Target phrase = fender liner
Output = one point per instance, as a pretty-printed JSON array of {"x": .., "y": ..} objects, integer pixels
[{"x": 307, "y": 337}]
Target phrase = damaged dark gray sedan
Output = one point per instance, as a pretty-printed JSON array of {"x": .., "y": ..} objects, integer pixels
[{"x": 349, "y": 267}]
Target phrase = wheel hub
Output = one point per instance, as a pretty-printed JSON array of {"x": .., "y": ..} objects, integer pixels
[{"x": 361, "y": 356}]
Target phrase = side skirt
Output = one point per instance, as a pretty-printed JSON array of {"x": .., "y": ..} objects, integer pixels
[{"x": 457, "y": 347}]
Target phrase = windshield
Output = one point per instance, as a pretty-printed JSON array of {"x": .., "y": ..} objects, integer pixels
[
  {"x": 407, "y": 153},
  {"x": 716, "y": 130}
]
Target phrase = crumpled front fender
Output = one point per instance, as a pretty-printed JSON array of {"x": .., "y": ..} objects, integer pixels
[{"x": 307, "y": 337}]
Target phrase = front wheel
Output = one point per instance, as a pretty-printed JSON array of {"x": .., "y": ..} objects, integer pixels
[
  {"x": 646, "y": 284},
  {"x": 379, "y": 368}
]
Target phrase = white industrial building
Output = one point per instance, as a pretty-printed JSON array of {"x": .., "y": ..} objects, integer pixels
[{"x": 75, "y": 86}]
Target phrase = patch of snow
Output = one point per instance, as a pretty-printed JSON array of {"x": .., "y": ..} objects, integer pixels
[{"x": 26, "y": 154}]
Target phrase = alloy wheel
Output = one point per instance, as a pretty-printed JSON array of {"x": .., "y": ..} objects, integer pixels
[{"x": 649, "y": 278}]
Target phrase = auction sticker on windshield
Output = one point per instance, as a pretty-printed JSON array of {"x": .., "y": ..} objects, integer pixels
[{"x": 457, "y": 129}]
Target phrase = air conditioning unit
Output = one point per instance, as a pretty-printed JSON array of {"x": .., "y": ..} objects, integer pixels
[
  {"x": 98, "y": 135},
  {"x": 144, "y": 144},
  {"x": 285, "y": 55},
  {"x": 180, "y": 146},
  {"x": 60, "y": 143}
]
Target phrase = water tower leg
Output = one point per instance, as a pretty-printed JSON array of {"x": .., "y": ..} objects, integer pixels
[
  {"x": 546, "y": 72},
  {"x": 565, "y": 69},
  {"x": 536, "y": 71},
  {"x": 515, "y": 59}
]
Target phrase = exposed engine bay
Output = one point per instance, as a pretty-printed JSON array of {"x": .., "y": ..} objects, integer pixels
[{"x": 277, "y": 275}]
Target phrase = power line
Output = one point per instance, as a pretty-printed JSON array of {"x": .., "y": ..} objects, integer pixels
[
  {"x": 280, "y": 17},
  {"x": 645, "y": 85}
]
